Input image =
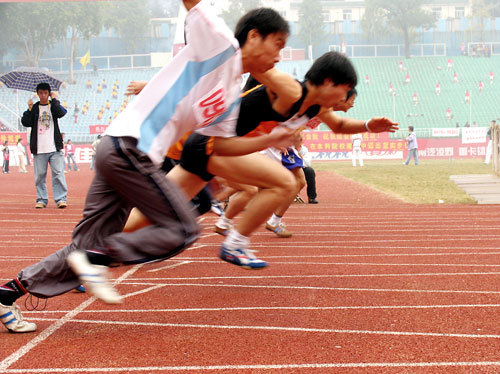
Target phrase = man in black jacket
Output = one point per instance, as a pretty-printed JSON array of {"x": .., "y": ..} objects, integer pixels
[{"x": 46, "y": 145}]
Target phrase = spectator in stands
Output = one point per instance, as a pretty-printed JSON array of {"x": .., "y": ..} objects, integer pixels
[
  {"x": 487, "y": 51},
  {"x": 104, "y": 83},
  {"x": 438, "y": 88},
  {"x": 46, "y": 144},
  {"x": 309, "y": 172},
  {"x": 467, "y": 124},
  {"x": 115, "y": 94},
  {"x": 1, "y": 84},
  {"x": 492, "y": 77},
  {"x": 69, "y": 150},
  {"x": 63, "y": 86},
  {"x": 343, "y": 48},
  {"x": 449, "y": 116},
  {"x": 455, "y": 77},
  {"x": 110, "y": 119},
  {"x": 115, "y": 114},
  {"x": 412, "y": 146},
  {"x": 474, "y": 124},
  {"x": 467, "y": 97},
  {"x": 391, "y": 89},
  {"x": 294, "y": 73},
  {"x": 21, "y": 156},
  {"x": 449, "y": 64},
  {"x": 99, "y": 88},
  {"x": 400, "y": 65},
  {"x": 117, "y": 84},
  {"x": 87, "y": 104},
  {"x": 99, "y": 116},
  {"x": 367, "y": 79},
  {"x": 462, "y": 49},
  {"x": 76, "y": 110},
  {"x": 457, "y": 125},
  {"x": 95, "y": 69},
  {"x": 481, "y": 86},
  {"x": 107, "y": 104},
  {"x": 65, "y": 104},
  {"x": 407, "y": 78},
  {"x": 415, "y": 98},
  {"x": 94, "y": 149},
  {"x": 84, "y": 109},
  {"x": 89, "y": 84},
  {"x": 6, "y": 157}
]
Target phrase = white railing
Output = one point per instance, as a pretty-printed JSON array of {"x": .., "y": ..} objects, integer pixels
[
  {"x": 115, "y": 62},
  {"x": 472, "y": 48},
  {"x": 392, "y": 50}
]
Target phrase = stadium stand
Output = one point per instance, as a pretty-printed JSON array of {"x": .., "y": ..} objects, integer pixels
[{"x": 373, "y": 99}]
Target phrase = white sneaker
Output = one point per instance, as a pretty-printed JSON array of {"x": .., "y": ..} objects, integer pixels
[
  {"x": 11, "y": 317},
  {"x": 93, "y": 277}
]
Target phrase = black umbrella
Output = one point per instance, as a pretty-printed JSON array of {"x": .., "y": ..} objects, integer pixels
[{"x": 26, "y": 78}]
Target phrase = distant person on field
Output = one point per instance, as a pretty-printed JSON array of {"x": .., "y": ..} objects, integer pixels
[
  {"x": 6, "y": 157},
  {"x": 69, "y": 149},
  {"x": 357, "y": 154},
  {"x": 412, "y": 146},
  {"x": 21, "y": 155},
  {"x": 489, "y": 146},
  {"x": 94, "y": 149},
  {"x": 309, "y": 172}
]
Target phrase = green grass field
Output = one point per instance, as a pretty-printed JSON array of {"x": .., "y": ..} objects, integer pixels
[{"x": 424, "y": 184}]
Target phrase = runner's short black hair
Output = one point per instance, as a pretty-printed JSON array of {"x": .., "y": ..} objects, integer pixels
[
  {"x": 43, "y": 86},
  {"x": 350, "y": 93},
  {"x": 265, "y": 20},
  {"x": 410, "y": 128},
  {"x": 333, "y": 66}
]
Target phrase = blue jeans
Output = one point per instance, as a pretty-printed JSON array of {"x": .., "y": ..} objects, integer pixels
[
  {"x": 69, "y": 160},
  {"x": 413, "y": 152},
  {"x": 59, "y": 188}
]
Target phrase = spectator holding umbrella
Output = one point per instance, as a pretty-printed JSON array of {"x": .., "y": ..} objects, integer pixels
[{"x": 46, "y": 144}]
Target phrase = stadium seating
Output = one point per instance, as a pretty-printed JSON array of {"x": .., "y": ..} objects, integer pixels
[{"x": 373, "y": 99}]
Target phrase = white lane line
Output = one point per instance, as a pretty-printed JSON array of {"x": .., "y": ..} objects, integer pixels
[
  {"x": 268, "y": 308},
  {"x": 11, "y": 359},
  {"x": 232, "y": 368},
  {"x": 281, "y": 328},
  {"x": 168, "y": 266},
  {"x": 302, "y": 276},
  {"x": 143, "y": 291},
  {"x": 319, "y": 288}
]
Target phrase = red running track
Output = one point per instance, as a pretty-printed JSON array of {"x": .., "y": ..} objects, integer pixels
[{"x": 367, "y": 284}]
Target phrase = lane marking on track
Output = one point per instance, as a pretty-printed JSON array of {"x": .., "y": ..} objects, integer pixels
[
  {"x": 261, "y": 367},
  {"x": 280, "y": 328},
  {"x": 319, "y": 288},
  {"x": 11, "y": 359},
  {"x": 168, "y": 267},
  {"x": 303, "y": 276},
  {"x": 142, "y": 291},
  {"x": 267, "y": 308}
]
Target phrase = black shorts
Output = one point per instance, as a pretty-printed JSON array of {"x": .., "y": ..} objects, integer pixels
[{"x": 195, "y": 155}]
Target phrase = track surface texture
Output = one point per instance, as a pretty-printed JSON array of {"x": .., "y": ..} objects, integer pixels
[{"x": 367, "y": 284}]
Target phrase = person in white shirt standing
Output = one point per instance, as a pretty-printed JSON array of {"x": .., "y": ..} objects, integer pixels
[
  {"x": 357, "y": 153},
  {"x": 46, "y": 144},
  {"x": 21, "y": 155},
  {"x": 412, "y": 146}
]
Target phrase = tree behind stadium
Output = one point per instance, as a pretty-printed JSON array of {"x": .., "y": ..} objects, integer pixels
[{"x": 403, "y": 16}]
